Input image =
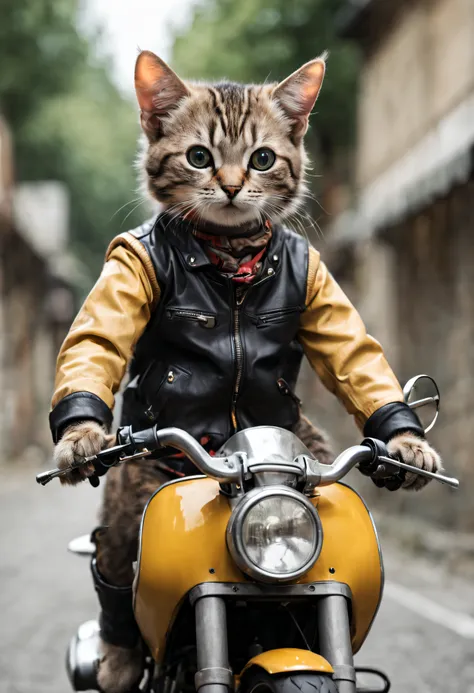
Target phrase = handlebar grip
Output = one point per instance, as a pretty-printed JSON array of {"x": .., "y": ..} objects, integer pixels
[
  {"x": 377, "y": 449},
  {"x": 45, "y": 477},
  {"x": 139, "y": 440},
  {"x": 382, "y": 473}
]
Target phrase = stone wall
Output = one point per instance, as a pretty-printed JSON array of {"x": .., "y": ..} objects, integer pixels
[
  {"x": 414, "y": 287},
  {"x": 418, "y": 72},
  {"x": 36, "y": 307},
  {"x": 408, "y": 256}
]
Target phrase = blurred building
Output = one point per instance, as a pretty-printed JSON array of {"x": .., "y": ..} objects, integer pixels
[
  {"x": 405, "y": 250},
  {"x": 36, "y": 306}
]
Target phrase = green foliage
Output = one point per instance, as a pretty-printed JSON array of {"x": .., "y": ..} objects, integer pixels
[
  {"x": 266, "y": 40},
  {"x": 40, "y": 52},
  {"x": 69, "y": 121}
]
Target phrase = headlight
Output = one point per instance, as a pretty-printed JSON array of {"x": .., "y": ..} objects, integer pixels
[{"x": 274, "y": 534}]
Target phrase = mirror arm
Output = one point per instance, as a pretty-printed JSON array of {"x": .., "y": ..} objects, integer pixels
[{"x": 421, "y": 402}]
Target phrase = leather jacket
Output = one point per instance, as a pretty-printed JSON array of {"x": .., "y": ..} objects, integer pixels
[{"x": 209, "y": 358}]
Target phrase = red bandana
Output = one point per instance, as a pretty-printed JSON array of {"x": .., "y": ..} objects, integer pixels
[{"x": 241, "y": 258}]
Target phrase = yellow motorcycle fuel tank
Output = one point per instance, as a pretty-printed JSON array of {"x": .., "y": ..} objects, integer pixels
[{"x": 183, "y": 544}]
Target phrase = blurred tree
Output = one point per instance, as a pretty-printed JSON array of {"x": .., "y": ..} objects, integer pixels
[
  {"x": 40, "y": 53},
  {"x": 68, "y": 119},
  {"x": 266, "y": 40}
]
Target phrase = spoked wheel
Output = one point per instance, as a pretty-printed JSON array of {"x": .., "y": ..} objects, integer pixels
[{"x": 258, "y": 681}]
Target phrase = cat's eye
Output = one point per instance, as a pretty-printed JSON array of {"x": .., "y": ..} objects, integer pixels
[
  {"x": 199, "y": 157},
  {"x": 262, "y": 159}
]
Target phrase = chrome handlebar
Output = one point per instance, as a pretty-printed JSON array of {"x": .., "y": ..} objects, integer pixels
[
  {"x": 223, "y": 469},
  {"x": 361, "y": 453},
  {"x": 233, "y": 468},
  {"x": 342, "y": 465}
]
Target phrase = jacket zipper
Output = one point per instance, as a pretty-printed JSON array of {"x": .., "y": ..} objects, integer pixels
[
  {"x": 285, "y": 389},
  {"x": 241, "y": 292},
  {"x": 239, "y": 299},
  {"x": 208, "y": 321},
  {"x": 275, "y": 315}
]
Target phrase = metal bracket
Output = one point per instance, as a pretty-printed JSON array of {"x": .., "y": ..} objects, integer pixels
[
  {"x": 310, "y": 472},
  {"x": 214, "y": 675},
  {"x": 261, "y": 592},
  {"x": 290, "y": 468},
  {"x": 344, "y": 672}
]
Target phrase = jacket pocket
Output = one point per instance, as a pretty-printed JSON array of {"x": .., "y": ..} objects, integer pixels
[
  {"x": 274, "y": 316},
  {"x": 204, "y": 319},
  {"x": 159, "y": 383}
]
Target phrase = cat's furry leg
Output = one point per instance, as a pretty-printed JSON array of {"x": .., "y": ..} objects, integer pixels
[
  {"x": 120, "y": 668},
  {"x": 127, "y": 490},
  {"x": 315, "y": 440}
]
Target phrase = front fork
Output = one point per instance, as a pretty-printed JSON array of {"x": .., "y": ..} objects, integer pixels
[
  {"x": 335, "y": 640},
  {"x": 214, "y": 674}
]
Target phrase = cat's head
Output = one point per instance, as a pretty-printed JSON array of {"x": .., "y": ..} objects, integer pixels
[{"x": 225, "y": 154}]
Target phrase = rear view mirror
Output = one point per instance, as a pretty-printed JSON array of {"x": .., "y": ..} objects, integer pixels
[{"x": 422, "y": 395}]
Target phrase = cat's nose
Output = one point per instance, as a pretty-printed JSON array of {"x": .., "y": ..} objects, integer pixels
[{"x": 231, "y": 190}]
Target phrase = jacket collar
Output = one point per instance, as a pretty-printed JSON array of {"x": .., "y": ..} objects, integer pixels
[{"x": 179, "y": 232}]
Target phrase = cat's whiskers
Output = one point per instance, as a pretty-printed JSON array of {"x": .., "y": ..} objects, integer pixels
[
  {"x": 272, "y": 210},
  {"x": 185, "y": 209},
  {"x": 131, "y": 202},
  {"x": 201, "y": 211},
  {"x": 301, "y": 229},
  {"x": 142, "y": 202},
  {"x": 296, "y": 218},
  {"x": 276, "y": 207},
  {"x": 180, "y": 208},
  {"x": 312, "y": 223}
]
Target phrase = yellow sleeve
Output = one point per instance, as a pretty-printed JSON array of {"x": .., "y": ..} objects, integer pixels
[
  {"x": 98, "y": 347},
  {"x": 350, "y": 363}
]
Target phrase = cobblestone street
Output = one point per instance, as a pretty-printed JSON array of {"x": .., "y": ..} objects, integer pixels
[{"x": 423, "y": 637}]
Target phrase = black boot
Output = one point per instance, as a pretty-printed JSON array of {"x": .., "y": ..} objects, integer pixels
[
  {"x": 117, "y": 621},
  {"x": 120, "y": 668},
  {"x": 107, "y": 657}
]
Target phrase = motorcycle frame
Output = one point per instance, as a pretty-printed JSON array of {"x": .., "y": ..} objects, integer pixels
[
  {"x": 157, "y": 572},
  {"x": 209, "y": 601}
]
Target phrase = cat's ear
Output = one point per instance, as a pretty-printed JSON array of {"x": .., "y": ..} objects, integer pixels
[
  {"x": 297, "y": 93},
  {"x": 158, "y": 89}
]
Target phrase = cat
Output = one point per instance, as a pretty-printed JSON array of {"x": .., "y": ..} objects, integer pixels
[
  {"x": 225, "y": 153},
  {"x": 230, "y": 158}
]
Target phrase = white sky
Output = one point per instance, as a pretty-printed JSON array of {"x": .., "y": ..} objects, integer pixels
[{"x": 133, "y": 24}]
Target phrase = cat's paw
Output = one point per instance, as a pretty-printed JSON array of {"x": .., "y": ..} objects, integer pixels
[
  {"x": 79, "y": 441},
  {"x": 120, "y": 668},
  {"x": 417, "y": 452}
]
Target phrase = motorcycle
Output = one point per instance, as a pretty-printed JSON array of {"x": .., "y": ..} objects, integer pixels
[{"x": 263, "y": 574}]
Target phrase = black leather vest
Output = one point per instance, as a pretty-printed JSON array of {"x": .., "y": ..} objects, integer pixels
[{"x": 214, "y": 357}]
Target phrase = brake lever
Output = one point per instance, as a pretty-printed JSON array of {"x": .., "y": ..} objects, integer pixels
[
  {"x": 45, "y": 477},
  {"x": 449, "y": 481},
  {"x": 127, "y": 458}
]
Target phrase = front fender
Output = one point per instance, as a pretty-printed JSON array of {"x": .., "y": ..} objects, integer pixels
[{"x": 289, "y": 659}]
